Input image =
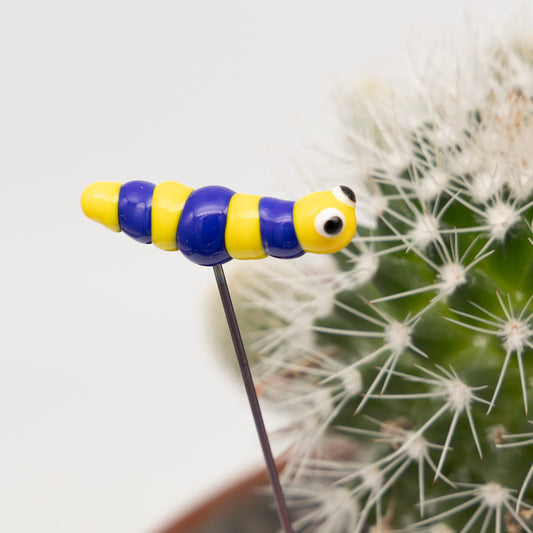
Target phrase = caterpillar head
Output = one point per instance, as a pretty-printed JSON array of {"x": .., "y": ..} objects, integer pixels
[{"x": 325, "y": 221}]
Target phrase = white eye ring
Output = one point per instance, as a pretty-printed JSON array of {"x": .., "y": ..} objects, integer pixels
[
  {"x": 330, "y": 222},
  {"x": 342, "y": 196}
]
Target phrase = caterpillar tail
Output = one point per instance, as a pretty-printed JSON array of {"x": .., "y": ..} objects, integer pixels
[{"x": 99, "y": 202}]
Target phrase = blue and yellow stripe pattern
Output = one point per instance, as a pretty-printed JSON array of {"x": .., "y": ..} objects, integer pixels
[{"x": 212, "y": 225}]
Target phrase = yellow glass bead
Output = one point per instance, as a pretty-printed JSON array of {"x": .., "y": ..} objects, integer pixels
[
  {"x": 99, "y": 202},
  {"x": 242, "y": 235},
  {"x": 167, "y": 205}
]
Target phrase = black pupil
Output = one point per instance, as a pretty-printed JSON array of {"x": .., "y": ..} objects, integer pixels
[
  {"x": 333, "y": 225},
  {"x": 348, "y": 193}
]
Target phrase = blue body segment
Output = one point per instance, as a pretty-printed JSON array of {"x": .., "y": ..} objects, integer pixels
[
  {"x": 202, "y": 226},
  {"x": 135, "y": 210},
  {"x": 276, "y": 223}
]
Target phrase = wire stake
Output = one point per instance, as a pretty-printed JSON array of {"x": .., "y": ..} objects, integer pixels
[{"x": 252, "y": 397}]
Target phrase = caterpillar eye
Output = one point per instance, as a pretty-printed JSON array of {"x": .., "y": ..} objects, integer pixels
[
  {"x": 329, "y": 222},
  {"x": 345, "y": 195}
]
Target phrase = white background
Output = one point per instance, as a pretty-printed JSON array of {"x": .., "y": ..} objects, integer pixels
[{"x": 115, "y": 412}]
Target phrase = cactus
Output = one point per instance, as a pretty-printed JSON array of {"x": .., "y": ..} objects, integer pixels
[{"x": 405, "y": 364}]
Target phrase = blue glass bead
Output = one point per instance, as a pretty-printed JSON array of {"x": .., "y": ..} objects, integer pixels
[
  {"x": 202, "y": 226},
  {"x": 135, "y": 210},
  {"x": 276, "y": 223}
]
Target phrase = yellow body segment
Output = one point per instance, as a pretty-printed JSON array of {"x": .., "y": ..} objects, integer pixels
[
  {"x": 167, "y": 205},
  {"x": 305, "y": 212},
  {"x": 99, "y": 202},
  {"x": 243, "y": 236}
]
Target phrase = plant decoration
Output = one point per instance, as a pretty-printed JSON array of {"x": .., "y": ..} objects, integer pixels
[{"x": 405, "y": 364}]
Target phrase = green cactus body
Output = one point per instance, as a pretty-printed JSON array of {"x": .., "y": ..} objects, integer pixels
[{"x": 414, "y": 349}]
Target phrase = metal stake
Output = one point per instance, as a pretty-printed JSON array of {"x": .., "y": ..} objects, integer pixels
[{"x": 252, "y": 398}]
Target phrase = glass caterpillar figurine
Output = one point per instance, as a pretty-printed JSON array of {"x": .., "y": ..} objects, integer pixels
[{"x": 212, "y": 225}]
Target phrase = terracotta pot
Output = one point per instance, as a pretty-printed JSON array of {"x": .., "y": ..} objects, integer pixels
[
  {"x": 245, "y": 507},
  {"x": 248, "y": 505}
]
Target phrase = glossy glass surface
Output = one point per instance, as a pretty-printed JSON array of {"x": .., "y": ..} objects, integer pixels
[{"x": 202, "y": 226}]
